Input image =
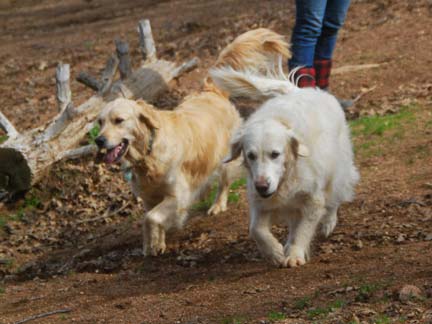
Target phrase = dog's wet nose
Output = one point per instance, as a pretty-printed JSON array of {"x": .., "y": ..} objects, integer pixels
[
  {"x": 100, "y": 141},
  {"x": 262, "y": 186}
]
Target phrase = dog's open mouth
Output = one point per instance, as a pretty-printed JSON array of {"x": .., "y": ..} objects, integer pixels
[{"x": 115, "y": 154}]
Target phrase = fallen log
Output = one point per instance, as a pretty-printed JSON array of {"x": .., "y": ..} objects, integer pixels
[{"x": 25, "y": 157}]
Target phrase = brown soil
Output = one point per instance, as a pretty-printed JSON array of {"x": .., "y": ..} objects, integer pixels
[{"x": 52, "y": 258}]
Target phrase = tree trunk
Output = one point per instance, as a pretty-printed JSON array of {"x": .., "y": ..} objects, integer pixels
[{"x": 25, "y": 157}]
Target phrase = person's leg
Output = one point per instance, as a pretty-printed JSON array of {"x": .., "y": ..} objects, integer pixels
[
  {"x": 334, "y": 18},
  {"x": 309, "y": 20}
]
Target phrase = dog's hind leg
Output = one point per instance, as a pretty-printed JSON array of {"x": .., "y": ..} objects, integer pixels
[
  {"x": 329, "y": 222},
  {"x": 229, "y": 172}
]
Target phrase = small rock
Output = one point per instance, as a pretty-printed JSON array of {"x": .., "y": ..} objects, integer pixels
[
  {"x": 42, "y": 65},
  {"x": 409, "y": 292},
  {"x": 358, "y": 245},
  {"x": 400, "y": 238},
  {"x": 428, "y": 237}
]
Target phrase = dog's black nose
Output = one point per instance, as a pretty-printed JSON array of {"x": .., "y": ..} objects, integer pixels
[
  {"x": 262, "y": 188},
  {"x": 100, "y": 141}
]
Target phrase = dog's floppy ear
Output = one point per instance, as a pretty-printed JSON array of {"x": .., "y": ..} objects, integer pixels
[
  {"x": 236, "y": 147},
  {"x": 146, "y": 115},
  {"x": 298, "y": 148}
]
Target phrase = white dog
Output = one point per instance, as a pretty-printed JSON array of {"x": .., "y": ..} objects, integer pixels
[{"x": 298, "y": 152}]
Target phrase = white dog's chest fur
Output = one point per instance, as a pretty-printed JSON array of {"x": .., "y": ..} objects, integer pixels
[{"x": 281, "y": 207}]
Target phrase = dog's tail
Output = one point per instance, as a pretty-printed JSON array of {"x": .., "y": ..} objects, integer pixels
[
  {"x": 257, "y": 51},
  {"x": 252, "y": 84}
]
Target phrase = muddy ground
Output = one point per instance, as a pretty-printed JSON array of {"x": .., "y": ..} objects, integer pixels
[{"x": 53, "y": 256}]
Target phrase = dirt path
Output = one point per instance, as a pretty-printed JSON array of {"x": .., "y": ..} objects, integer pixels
[{"x": 51, "y": 258}]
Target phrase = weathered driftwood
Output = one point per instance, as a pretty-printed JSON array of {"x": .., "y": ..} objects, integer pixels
[{"x": 25, "y": 157}]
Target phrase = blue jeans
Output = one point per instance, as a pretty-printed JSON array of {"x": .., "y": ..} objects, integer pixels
[{"x": 315, "y": 31}]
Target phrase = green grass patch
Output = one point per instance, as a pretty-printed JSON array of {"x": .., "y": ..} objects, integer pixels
[
  {"x": 234, "y": 320},
  {"x": 372, "y": 133},
  {"x": 93, "y": 133},
  {"x": 207, "y": 202},
  {"x": 3, "y": 221},
  {"x": 366, "y": 292},
  {"x": 18, "y": 216},
  {"x": 32, "y": 202},
  {"x": 382, "y": 319},
  {"x": 276, "y": 316},
  {"x": 233, "y": 195},
  {"x": 3, "y": 138},
  {"x": 238, "y": 184},
  {"x": 324, "y": 311},
  {"x": 2, "y": 290},
  {"x": 378, "y": 125},
  {"x": 302, "y": 303}
]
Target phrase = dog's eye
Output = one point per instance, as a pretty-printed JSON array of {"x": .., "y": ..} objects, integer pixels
[
  {"x": 251, "y": 156},
  {"x": 274, "y": 155},
  {"x": 118, "y": 121}
]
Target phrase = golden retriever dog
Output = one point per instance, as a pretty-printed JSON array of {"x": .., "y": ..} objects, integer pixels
[{"x": 173, "y": 154}]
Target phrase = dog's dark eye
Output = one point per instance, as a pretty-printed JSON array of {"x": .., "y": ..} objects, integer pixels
[
  {"x": 251, "y": 156},
  {"x": 118, "y": 121},
  {"x": 274, "y": 155}
]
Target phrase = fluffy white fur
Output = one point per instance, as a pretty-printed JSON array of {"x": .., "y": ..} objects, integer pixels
[{"x": 298, "y": 152}]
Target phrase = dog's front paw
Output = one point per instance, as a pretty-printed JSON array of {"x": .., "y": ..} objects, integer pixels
[
  {"x": 154, "y": 250},
  {"x": 329, "y": 225},
  {"x": 296, "y": 256},
  {"x": 217, "y": 208},
  {"x": 146, "y": 250},
  {"x": 279, "y": 260}
]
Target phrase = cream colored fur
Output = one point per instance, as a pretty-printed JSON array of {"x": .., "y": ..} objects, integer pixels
[
  {"x": 173, "y": 154},
  {"x": 298, "y": 152}
]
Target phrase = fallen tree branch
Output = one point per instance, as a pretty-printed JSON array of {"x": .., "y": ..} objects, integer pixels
[
  {"x": 147, "y": 44},
  {"x": 88, "y": 81},
  {"x": 7, "y": 126},
  {"x": 124, "y": 65},
  {"x": 63, "y": 92},
  {"x": 360, "y": 95},
  {"x": 32, "y": 318},
  {"x": 25, "y": 158},
  {"x": 186, "y": 67},
  {"x": 354, "y": 68},
  {"x": 80, "y": 152},
  {"x": 108, "y": 74}
]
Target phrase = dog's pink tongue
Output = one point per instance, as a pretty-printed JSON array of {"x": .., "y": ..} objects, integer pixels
[{"x": 112, "y": 155}]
